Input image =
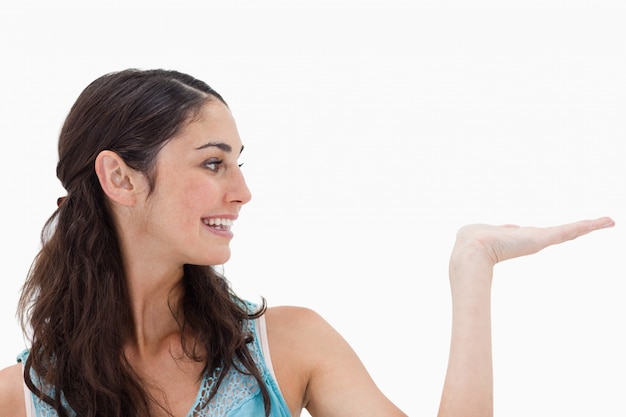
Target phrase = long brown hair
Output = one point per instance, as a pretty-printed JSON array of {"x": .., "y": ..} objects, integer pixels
[{"x": 75, "y": 299}]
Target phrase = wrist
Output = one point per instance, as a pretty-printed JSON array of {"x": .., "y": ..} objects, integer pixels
[{"x": 470, "y": 269}]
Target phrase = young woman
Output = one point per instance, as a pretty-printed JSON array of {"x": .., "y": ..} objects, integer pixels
[{"x": 128, "y": 316}]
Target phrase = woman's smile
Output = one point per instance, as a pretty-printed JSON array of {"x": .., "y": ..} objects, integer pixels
[{"x": 219, "y": 225}]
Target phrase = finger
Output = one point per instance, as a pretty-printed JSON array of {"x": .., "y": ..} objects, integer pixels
[{"x": 570, "y": 231}]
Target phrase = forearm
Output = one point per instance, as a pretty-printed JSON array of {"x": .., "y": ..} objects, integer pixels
[{"x": 468, "y": 388}]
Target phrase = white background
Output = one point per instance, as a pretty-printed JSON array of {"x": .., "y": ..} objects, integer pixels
[{"x": 373, "y": 131}]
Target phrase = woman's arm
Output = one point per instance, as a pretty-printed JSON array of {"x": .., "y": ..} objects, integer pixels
[
  {"x": 468, "y": 388},
  {"x": 317, "y": 369}
]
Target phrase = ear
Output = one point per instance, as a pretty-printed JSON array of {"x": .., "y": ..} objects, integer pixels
[{"x": 118, "y": 181}]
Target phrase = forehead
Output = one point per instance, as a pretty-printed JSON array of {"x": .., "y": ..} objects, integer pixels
[{"x": 214, "y": 123}]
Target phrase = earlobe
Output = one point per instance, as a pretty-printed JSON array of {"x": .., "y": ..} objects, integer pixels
[{"x": 116, "y": 178}]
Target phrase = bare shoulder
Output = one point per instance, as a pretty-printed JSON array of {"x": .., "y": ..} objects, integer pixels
[
  {"x": 302, "y": 330},
  {"x": 12, "y": 392},
  {"x": 294, "y": 320},
  {"x": 295, "y": 329},
  {"x": 295, "y": 337},
  {"x": 317, "y": 369}
]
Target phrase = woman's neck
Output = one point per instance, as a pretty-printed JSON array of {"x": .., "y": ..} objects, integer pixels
[{"x": 155, "y": 308}]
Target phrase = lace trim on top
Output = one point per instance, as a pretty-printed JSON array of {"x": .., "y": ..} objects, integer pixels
[{"x": 236, "y": 388}]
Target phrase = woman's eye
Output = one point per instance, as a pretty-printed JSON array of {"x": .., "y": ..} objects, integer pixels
[{"x": 213, "y": 164}]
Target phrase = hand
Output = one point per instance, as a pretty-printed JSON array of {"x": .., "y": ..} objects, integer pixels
[{"x": 498, "y": 243}]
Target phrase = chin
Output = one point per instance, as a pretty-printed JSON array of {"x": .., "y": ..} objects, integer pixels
[{"x": 217, "y": 259}]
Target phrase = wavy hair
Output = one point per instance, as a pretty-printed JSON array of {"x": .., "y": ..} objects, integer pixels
[{"x": 75, "y": 299}]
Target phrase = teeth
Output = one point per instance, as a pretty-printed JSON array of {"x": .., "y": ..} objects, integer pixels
[{"x": 221, "y": 223}]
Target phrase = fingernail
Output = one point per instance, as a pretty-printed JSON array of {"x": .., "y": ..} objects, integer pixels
[{"x": 609, "y": 223}]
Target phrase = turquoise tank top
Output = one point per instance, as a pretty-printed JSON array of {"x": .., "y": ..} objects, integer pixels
[{"x": 239, "y": 395}]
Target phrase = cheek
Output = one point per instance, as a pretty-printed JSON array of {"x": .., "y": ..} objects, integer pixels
[
  {"x": 194, "y": 196},
  {"x": 183, "y": 201}
]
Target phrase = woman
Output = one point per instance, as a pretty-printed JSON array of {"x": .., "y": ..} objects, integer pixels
[{"x": 129, "y": 318}]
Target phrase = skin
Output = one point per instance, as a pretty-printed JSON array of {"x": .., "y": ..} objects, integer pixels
[{"x": 168, "y": 223}]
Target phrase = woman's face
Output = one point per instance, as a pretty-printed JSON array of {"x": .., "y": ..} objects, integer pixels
[{"x": 199, "y": 190}]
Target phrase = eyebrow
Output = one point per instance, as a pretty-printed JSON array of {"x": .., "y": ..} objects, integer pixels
[{"x": 220, "y": 145}]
